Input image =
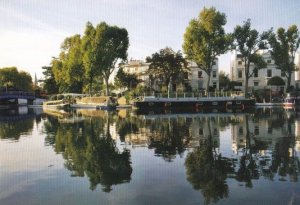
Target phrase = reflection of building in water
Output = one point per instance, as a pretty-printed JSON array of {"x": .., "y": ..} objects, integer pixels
[
  {"x": 139, "y": 139},
  {"x": 297, "y": 137},
  {"x": 204, "y": 127},
  {"x": 266, "y": 128}
]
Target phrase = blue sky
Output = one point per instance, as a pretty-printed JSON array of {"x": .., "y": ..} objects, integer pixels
[{"x": 31, "y": 31}]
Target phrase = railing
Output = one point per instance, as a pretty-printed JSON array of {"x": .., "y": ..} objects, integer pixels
[
  {"x": 189, "y": 95},
  {"x": 16, "y": 94},
  {"x": 195, "y": 94}
]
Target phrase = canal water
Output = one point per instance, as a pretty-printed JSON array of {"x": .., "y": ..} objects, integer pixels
[{"x": 122, "y": 157}]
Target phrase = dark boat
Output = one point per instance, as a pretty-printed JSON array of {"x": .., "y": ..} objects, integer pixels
[{"x": 150, "y": 102}]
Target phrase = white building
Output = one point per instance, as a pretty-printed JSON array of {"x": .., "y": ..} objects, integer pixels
[
  {"x": 196, "y": 77},
  {"x": 297, "y": 73},
  {"x": 260, "y": 78}
]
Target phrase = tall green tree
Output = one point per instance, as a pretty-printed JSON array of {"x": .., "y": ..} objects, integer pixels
[
  {"x": 88, "y": 48},
  {"x": 167, "y": 64},
  {"x": 285, "y": 44},
  {"x": 49, "y": 84},
  {"x": 10, "y": 77},
  {"x": 248, "y": 42},
  {"x": 205, "y": 39},
  {"x": 111, "y": 44},
  {"x": 68, "y": 68}
]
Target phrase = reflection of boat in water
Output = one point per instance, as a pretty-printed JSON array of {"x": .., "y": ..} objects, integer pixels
[
  {"x": 72, "y": 119},
  {"x": 99, "y": 103},
  {"x": 57, "y": 113},
  {"x": 91, "y": 113},
  {"x": 187, "y": 110},
  {"x": 56, "y": 104}
]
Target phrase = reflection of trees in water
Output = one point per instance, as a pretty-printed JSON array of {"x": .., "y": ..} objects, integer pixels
[
  {"x": 207, "y": 171},
  {"x": 89, "y": 150},
  {"x": 169, "y": 137},
  {"x": 14, "y": 129}
]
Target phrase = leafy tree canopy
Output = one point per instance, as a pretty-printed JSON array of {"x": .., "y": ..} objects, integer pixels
[
  {"x": 167, "y": 64},
  {"x": 10, "y": 77},
  {"x": 248, "y": 42},
  {"x": 285, "y": 44},
  {"x": 205, "y": 39}
]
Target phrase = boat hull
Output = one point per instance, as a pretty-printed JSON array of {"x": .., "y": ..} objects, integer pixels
[{"x": 198, "y": 104}]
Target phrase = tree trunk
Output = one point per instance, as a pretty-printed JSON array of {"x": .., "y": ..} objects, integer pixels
[
  {"x": 167, "y": 84},
  {"x": 91, "y": 84},
  {"x": 247, "y": 65},
  {"x": 246, "y": 87},
  {"x": 289, "y": 77},
  {"x": 106, "y": 83},
  {"x": 207, "y": 83}
]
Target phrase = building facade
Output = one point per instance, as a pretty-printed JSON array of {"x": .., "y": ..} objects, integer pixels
[
  {"x": 196, "y": 79},
  {"x": 260, "y": 78}
]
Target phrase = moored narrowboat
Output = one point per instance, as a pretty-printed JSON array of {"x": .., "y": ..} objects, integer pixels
[{"x": 150, "y": 102}]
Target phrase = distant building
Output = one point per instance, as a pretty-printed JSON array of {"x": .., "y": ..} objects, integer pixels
[
  {"x": 259, "y": 79},
  {"x": 195, "y": 79}
]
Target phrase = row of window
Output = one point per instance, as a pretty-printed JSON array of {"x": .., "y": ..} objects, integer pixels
[
  {"x": 268, "y": 61},
  {"x": 255, "y": 73},
  {"x": 200, "y": 74}
]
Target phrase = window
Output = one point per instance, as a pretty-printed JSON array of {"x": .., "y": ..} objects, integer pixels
[
  {"x": 282, "y": 74},
  {"x": 240, "y": 74},
  {"x": 241, "y": 131},
  {"x": 214, "y": 63},
  {"x": 214, "y": 74},
  {"x": 200, "y": 131},
  {"x": 214, "y": 84},
  {"x": 269, "y": 61},
  {"x": 256, "y": 130},
  {"x": 239, "y": 62},
  {"x": 199, "y": 74},
  {"x": 256, "y": 83},
  {"x": 270, "y": 130},
  {"x": 269, "y": 73},
  {"x": 215, "y": 131},
  {"x": 255, "y": 73}
]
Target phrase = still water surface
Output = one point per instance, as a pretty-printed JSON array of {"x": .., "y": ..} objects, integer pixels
[{"x": 98, "y": 157}]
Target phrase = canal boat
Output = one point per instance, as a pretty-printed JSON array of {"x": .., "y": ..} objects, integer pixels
[
  {"x": 150, "y": 102},
  {"x": 99, "y": 103},
  {"x": 56, "y": 104}
]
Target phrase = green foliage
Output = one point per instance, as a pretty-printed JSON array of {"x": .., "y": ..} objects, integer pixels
[
  {"x": 224, "y": 81},
  {"x": 111, "y": 44},
  {"x": 84, "y": 60},
  {"x": 126, "y": 80},
  {"x": 284, "y": 46},
  {"x": 248, "y": 42},
  {"x": 167, "y": 65},
  {"x": 205, "y": 39},
  {"x": 11, "y": 78},
  {"x": 49, "y": 84},
  {"x": 68, "y": 68}
]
